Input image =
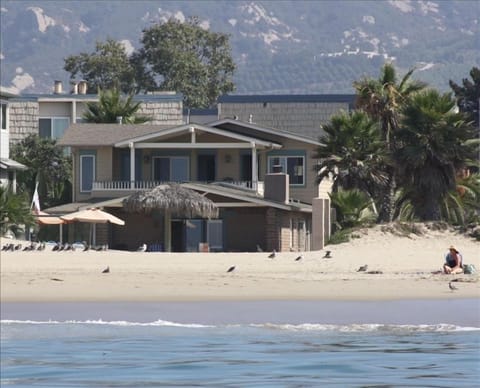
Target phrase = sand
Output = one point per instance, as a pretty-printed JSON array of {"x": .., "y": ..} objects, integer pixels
[{"x": 402, "y": 267}]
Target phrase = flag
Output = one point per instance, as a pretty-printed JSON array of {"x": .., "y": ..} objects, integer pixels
[{"x": 36, "y": 200}]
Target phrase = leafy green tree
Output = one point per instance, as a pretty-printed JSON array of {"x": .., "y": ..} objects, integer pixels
[
  {"x": 352, "y": 153},
  {"x": 382, "y": 99},
  {"x": 468, "y": 95},
  {"x": 48, "y": 165},
  {"x": 433, "y": 143},
  {"x": 112, "y": 105},
  {"x": 107, "y": 67},
  {"x": 189, "y": 59},
  {"x": 14, "y": 210}
]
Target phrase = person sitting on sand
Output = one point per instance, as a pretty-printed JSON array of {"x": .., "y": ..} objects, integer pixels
[{"x": 453, "y": 262}]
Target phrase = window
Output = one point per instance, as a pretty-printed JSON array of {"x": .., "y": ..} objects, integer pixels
[
  {"x": 294, "y": 166},
  {"x": 53, "y": 127},
  {"x": 171, "y": 169},
  {"x": 3, "y": 117},
  {"x": 87, "y": 172}
]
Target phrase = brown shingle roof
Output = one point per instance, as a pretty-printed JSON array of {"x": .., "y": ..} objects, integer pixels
[{"x": 105, "y": 134}]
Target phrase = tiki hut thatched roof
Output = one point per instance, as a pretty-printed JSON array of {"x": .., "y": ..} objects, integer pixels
[{"x": 178, "y": 200}]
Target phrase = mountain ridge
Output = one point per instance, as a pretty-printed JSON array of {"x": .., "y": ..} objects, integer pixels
[{"x": 280, "y": 47}]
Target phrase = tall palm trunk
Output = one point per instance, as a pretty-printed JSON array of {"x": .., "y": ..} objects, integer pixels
[{"x": 387, "y": 197}]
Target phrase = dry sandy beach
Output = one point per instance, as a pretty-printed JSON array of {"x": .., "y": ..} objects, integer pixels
[{"x": 401, "y": 268}]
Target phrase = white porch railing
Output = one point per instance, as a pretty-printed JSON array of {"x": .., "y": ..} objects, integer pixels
[
  {"x": 125, "y": 185},
  {"x": 145, "y": 185}
]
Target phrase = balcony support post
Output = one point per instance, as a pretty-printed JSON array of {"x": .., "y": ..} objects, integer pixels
[
  {"x": 132, "y": 165},
  {"x": 254, "y": 167}
]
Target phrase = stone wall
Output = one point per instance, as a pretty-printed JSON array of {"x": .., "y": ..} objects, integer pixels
[
  {"x": 166, "y": 113},
  {"x": 23, "y": 119}
]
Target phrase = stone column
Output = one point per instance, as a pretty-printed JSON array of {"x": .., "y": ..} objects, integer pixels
[{"x": 321, "y": 223}]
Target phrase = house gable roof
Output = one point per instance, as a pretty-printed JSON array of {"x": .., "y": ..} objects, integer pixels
[
  {"x": 246, "y": 196},
  {"x": 121, "y": 135},
  {"x": 268, "y": 133},
  {"x": 188, "y": 128}
]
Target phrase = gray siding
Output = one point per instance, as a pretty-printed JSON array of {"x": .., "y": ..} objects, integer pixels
[{"x": 303, "y": 118}]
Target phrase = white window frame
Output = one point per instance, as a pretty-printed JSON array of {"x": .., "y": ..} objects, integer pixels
[
  {"x": 52, "y": 119},
  {"x": 285, "y": 163}
]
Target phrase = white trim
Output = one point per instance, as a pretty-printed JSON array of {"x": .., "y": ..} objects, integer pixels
[
  {"x": 187, "y": 129},
  {"x": 52, "y": 119},
  {"x": 194, "y": 145},
  {"x": 237, "y": 204},
  {"x": 286, "y": 172}
]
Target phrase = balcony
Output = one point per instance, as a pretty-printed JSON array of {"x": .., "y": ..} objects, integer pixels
[{"x": 119, "y": 188}]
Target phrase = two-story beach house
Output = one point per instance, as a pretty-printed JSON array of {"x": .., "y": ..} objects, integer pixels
[
  {"x": 8, "y": 167},
  {"x": 50, "y": 114},
  {"x": 261, "y": 179}
]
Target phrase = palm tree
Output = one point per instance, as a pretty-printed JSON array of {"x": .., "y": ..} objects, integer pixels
[
  {"x": 111, "y": 106},
  {"x": 14, "y": 210},
  {"x": 352, "y": 153},
  {"x": 382, "y": 99},
  {"x": 433, "y": 143},
  {"x": 353, "y": 208},
  {"x": 462, "y": 205}
]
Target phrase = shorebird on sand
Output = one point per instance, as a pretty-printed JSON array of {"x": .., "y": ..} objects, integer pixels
[
  {"x": 452, "y": 287},
  {"x": 142, "y": 248},
  {"x": 363, "y": 268}
]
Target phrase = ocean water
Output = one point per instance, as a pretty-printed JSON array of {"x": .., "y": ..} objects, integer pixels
[{"x": 225, "y": 351}]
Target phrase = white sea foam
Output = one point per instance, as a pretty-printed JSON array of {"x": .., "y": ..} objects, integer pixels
[
  {"x": 369, "y": 327},
  {"x": 106, "y": 323},
  {"x": 353, "y": 328}
]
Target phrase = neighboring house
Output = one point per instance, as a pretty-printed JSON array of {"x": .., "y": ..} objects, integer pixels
[
  {"x": 8, "y": 167},
  {"x": 262, "y": 180},
  {"x": 303, "y": 114},
  {"x": 49, "y": 115}
]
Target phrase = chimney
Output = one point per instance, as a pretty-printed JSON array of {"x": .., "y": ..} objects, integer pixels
[
  {"x": 57, "y": 87},
  {"x": 74, "y": 89},
  {"x": 277, "y": 187},
  {"x": 82, "y": 87}
]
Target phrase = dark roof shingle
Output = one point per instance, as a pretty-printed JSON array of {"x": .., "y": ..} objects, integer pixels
[{"x": 105, "y": 134}]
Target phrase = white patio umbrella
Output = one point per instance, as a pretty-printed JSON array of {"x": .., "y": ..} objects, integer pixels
[
  {"x": 47, "y": 219},
  {"x": 93, "y": 216}
]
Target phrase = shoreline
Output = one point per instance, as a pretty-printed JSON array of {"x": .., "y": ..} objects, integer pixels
[
  {"x": 399, "y": 268},
  {"x": 459, "y": 312}
]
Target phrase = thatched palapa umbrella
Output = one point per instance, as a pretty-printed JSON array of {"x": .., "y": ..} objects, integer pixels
[{"x": 173, "y": 199}]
